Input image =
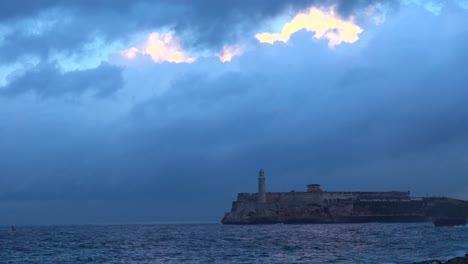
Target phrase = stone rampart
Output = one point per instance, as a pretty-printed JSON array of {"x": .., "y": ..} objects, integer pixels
[{"x": 319, "y": 197}]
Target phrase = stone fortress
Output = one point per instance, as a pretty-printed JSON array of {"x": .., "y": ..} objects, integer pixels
[{"x": 317, "y": 206}]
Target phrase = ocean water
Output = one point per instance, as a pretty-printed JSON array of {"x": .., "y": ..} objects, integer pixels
[{"x": 215, "y": 243}]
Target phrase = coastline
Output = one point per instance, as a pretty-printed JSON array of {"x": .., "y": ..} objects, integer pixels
[{"x": 456, "y": 260}]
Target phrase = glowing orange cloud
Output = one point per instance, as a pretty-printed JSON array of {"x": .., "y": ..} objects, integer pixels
[
  {"x": 326, "y": 25},
  {"x": 226, "y": 54},
  {"x": 164, "y": 47},
  {"x": 161, "y": 47},
  {"x": 129, "y": 53}
]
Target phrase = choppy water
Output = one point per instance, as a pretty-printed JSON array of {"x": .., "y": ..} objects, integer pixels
[{"x": 214, "y": 243}]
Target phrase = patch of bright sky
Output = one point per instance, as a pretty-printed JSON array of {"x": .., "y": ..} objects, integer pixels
[
  {"x": 279, "y": 22},
  {"x": 377, "y": 12},
  {"x": 91, "y": 55},
  {"x": 20, "y": 66},
  {"x": 37, "y": 25},
  {"x": 4, "y": 31},
  {"x": 433, "y": 6},
  {"x": 463, "y": 3},
  {"x": 44, "y": 22}
]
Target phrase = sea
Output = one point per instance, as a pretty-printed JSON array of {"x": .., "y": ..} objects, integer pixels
[{"x": 216, "y": 243}]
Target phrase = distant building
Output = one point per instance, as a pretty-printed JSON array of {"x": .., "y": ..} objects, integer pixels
[{"x": 313, "y": 188}]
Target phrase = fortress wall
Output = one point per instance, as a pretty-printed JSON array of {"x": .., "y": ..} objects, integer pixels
[
  {"x": 283, "y": 197},
  {"x": 246, "y": 197},
  {"x": 339, "y": 195},
  {"x": 294, "y": 197},
  {"x": 372, "y": 193},
  {"x": 367, "y": 195},
  {"x": 385, "y": 195},
  {"x": 338, "y": 198},
  {"x": 323, "y": 197},
  {"x": 243, "y": 206}
]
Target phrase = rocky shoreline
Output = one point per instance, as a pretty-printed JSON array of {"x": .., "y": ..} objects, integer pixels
[{"x": 457, "y": 260}]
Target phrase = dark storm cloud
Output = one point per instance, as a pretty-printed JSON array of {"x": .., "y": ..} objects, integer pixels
[
  {"x": 346, "y": 8},
  {"x": 47, "y": 80},
  {"x": 17, "y": 9},
  {"x": 211, "y": 10},
  {"x": 205, "y": 24}
]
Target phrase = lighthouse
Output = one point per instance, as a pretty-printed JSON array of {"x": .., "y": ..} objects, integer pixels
[{"x": 261, "y": 187}]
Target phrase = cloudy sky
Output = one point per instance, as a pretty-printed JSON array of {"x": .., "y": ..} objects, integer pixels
[{"x": 117, "y": 111}]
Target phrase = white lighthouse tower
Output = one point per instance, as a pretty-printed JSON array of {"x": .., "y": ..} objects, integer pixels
[{"x": 261, "y": 187}]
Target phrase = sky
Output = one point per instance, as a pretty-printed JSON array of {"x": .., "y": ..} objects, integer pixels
[{"x": 162, "y": 111}]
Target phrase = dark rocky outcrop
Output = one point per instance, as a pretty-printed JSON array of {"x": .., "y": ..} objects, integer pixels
[
  {"x": 457, "y": 260},
  {"x": 432, "y": 261},
  {"x": 342, "y": 207}
]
